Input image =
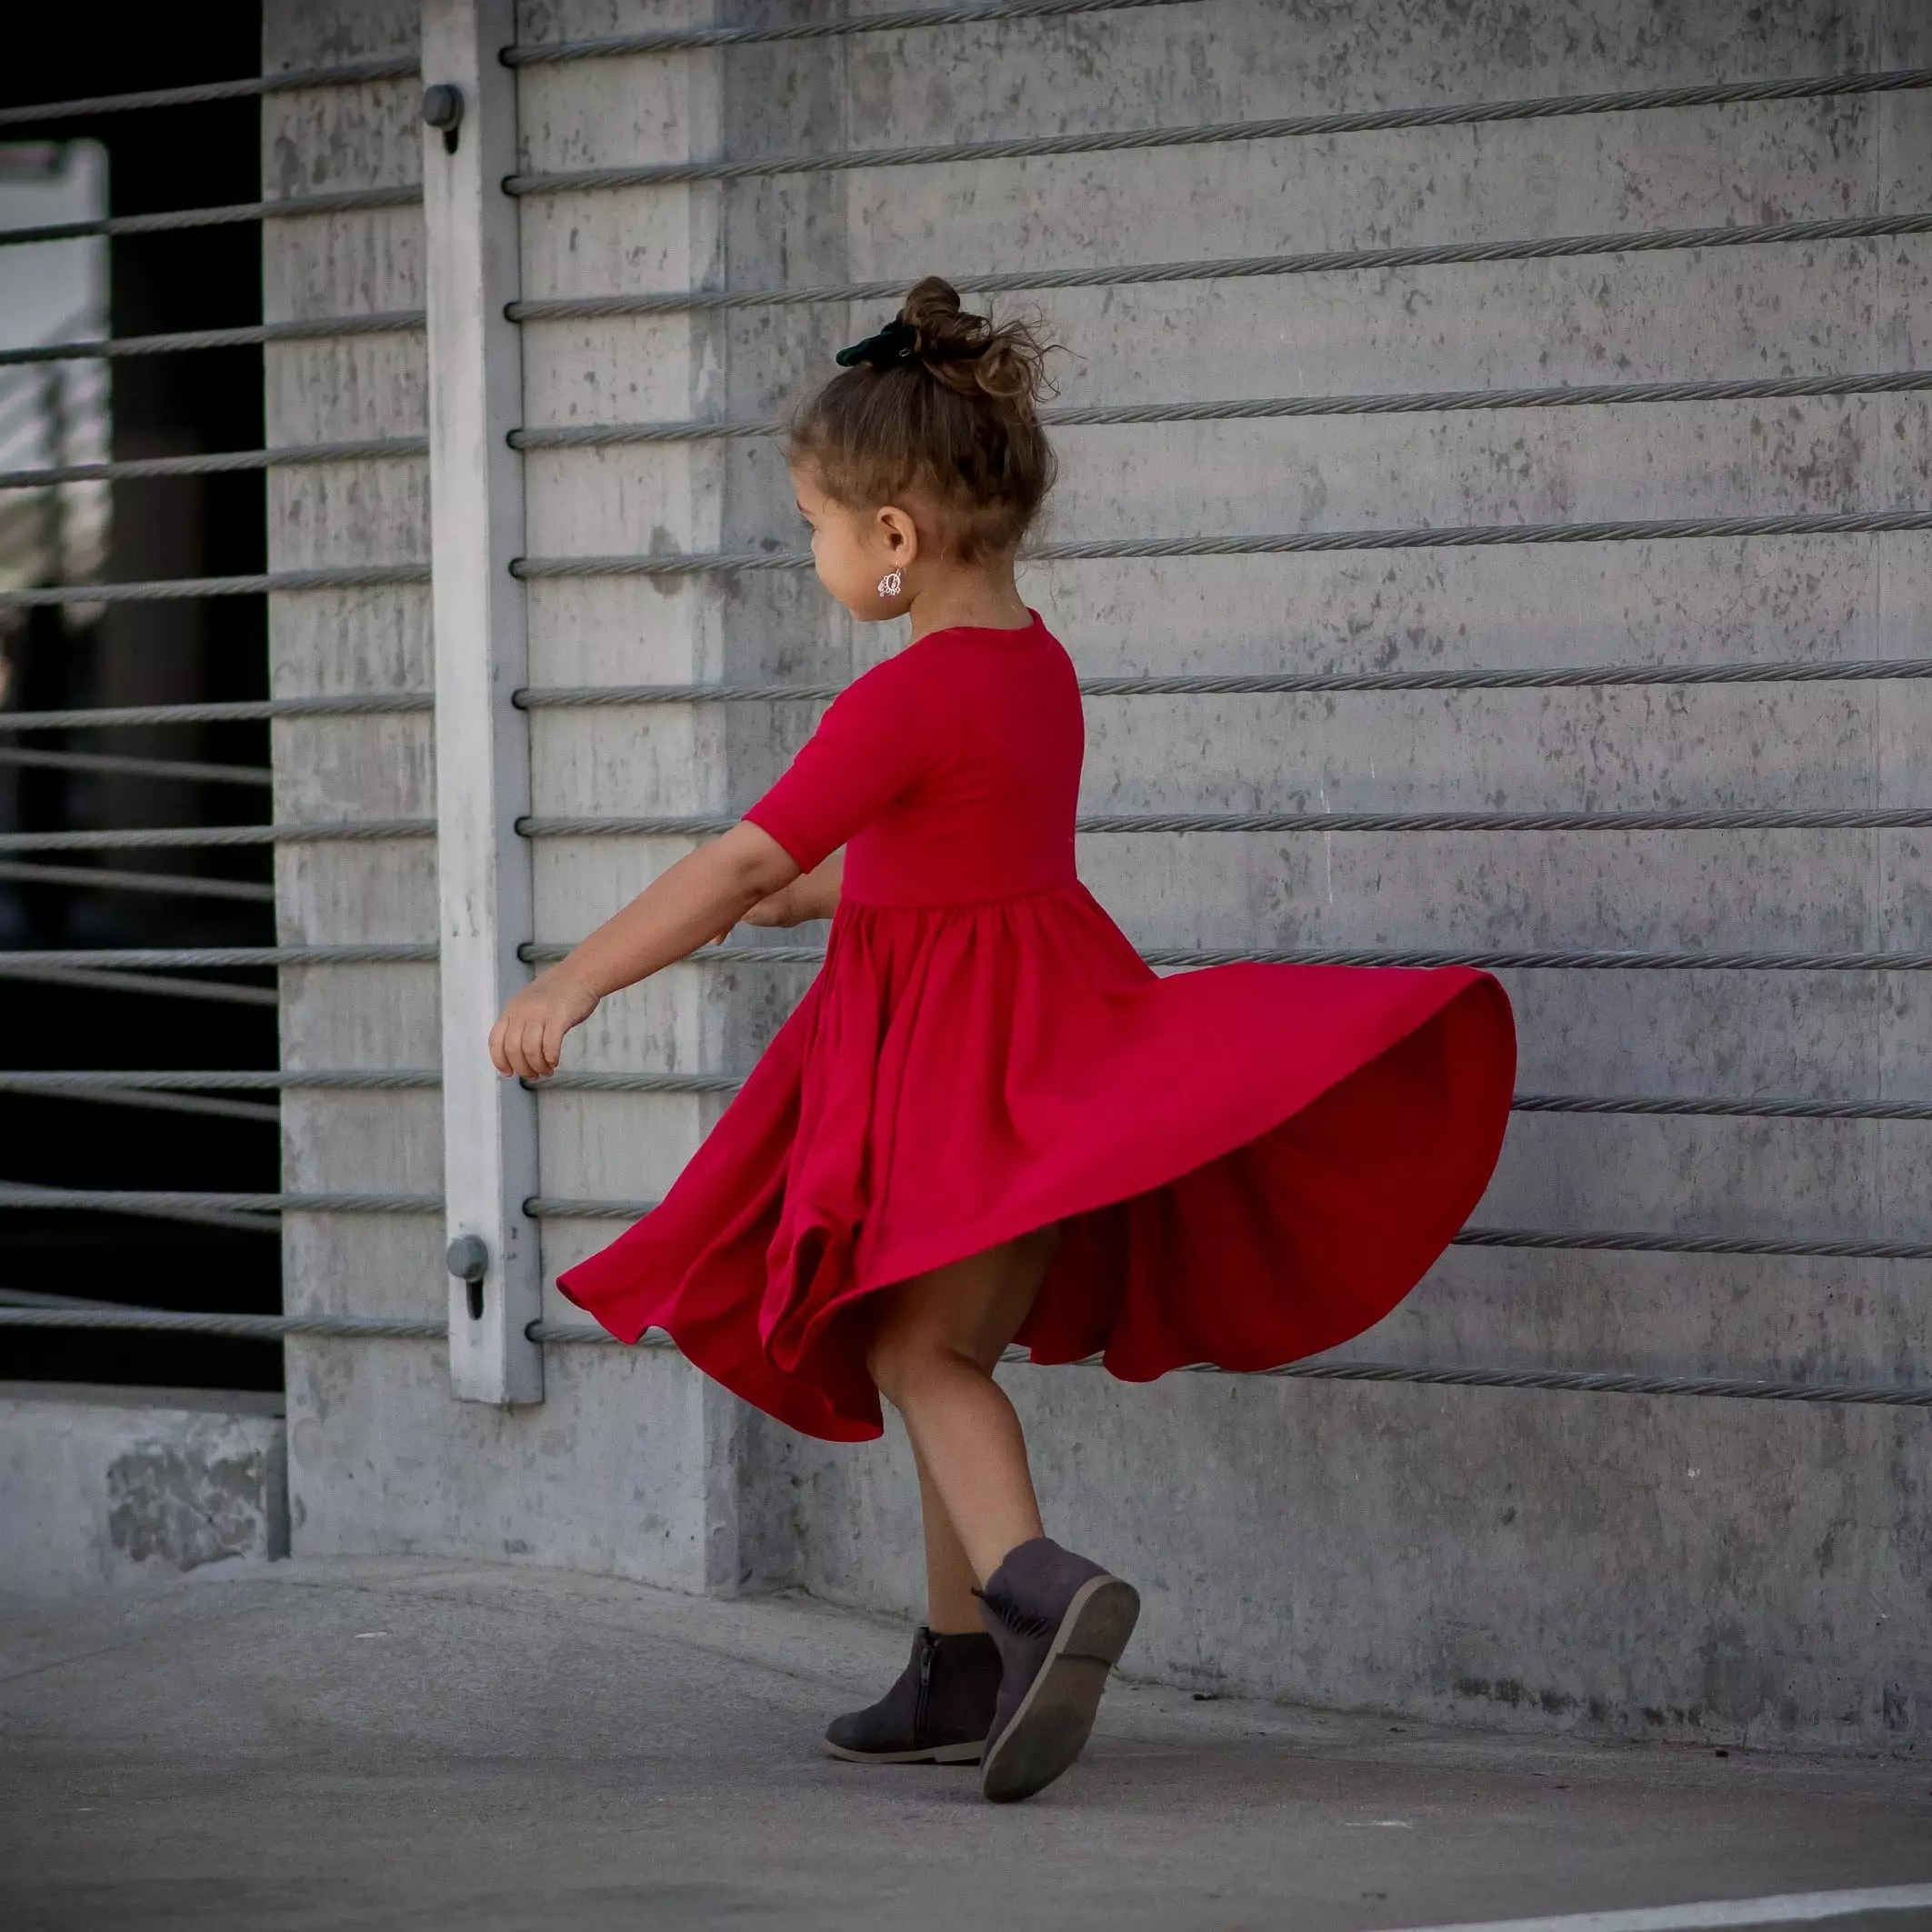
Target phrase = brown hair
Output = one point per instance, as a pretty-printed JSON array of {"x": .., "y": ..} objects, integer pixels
[{"x": 941, "y": 403}]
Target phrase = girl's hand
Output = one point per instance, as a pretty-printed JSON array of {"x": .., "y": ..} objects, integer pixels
[
  {"x": 811, "y": 896},
  {"x": 776, "y": 908},
  {"x": 528, "y": 1040},
  {"x": 783, "y": 908}
]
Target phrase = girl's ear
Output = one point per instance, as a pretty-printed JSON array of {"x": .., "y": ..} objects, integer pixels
[{"x": 899, "y": 533}]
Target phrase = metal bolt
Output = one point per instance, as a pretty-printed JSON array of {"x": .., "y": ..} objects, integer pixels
[
  {"x": 468, "y": 1257},
  {"x": 443, "y": 108}
]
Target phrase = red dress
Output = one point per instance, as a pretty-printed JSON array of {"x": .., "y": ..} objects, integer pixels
[{"x": 1247, "y": 1163}]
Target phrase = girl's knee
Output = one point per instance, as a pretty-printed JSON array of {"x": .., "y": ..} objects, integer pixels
[{"x": 906, "y": 1355}]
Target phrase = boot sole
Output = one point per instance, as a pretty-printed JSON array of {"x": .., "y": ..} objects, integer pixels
[
  {"x": 1051, "y": 1726},
  {"x": 935, "y": 1754}
]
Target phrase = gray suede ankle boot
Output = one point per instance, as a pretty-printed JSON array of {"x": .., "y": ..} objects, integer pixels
[
  {"x": 939, "y": 1711},
  {"x": 1061, "y": 1624}
]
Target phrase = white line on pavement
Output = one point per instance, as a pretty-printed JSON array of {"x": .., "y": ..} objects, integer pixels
[{"x": 1787, "y": 1909}]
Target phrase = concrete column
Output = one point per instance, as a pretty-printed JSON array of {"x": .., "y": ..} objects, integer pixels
[{"x": 482, "y": 656}]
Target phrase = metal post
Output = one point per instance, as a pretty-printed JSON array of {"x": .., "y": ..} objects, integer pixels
[{"x": 483, "y": 749}]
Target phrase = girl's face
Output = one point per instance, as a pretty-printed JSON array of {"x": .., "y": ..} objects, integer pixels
[{"x": 856, "y": 550}]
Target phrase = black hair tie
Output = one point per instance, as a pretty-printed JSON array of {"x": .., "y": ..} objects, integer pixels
[{"x": 894, "y": 344}]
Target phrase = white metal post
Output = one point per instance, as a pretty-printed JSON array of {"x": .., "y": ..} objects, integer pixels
[{"x": 482, "y": 656}]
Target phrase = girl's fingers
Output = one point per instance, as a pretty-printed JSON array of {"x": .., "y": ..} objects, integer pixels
[
  {"x": 528, "y": 1045},
  {"x": 519, "y": 1048}
]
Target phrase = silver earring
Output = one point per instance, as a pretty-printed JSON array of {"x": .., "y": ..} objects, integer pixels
[{"x": 891, "y": 583}]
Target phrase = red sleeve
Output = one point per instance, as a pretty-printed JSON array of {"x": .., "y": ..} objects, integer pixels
[{"x": 882, "y": 733}]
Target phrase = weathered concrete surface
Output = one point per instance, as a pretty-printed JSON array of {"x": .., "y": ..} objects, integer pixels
[
  {"x": 110, "y": 1484},
  {"x": 410, "y": 1744},
  {"x": 1720, "y": 1570}
]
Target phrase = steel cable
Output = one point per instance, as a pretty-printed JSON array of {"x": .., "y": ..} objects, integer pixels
[
  {"x": 217, "y": 462},
  {"x": 428, "y": 1078},
  {"x": 158, "y": 1101},
  {"x": 575, "y": 1334},
  {"x": 361, "y": 953},
  {"x": 690, "y": 826},
  {"x": 1720, "y": 1108},
  {"x": 1605, "y": 1382},
  {"x": 1609, "y": 1241},
  {"x": 219, "y": 991},
  {"x": 346, "y": 576},
  {"x": 102, "y": 878},
  {"x": 1686, "y": 1106},
  {"x": 266, "y": 1327},
  {"x": 571, "y": 1208},
  {"x": 1222, "y": 133},
  {"x": 183, "y": 768},
  {"x": 165, "y": 1201},
  {"x": 343, "y": 201},
  {"x": 1716, "y": 818},
  {"x": 1517, "y": 959},
  {"x": 251, "y": 1081},
  {"x": 214, "y": 838},
  {"x": 1327, "y": 261},
  {"x": 1431, "y": 538},
  {"x": 1222, "y": 683},
  {"x": 318, "y": 328},
  {"x": 346, "y": 74},
  {"x": 1276, "y": 683},
  {"x": 599, "y": 436},
  {"x": 684, "y": 39},
  {"x": 1595, "y": 1382},
  {"x": 347, "y": 704}
]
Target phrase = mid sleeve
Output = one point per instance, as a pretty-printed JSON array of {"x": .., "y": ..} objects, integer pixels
[{"x": 881, "y": 734}]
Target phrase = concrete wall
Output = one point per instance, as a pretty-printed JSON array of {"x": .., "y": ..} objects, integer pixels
[
  {"x": 1742, "y": 1571},
  {"x": 111, "y": 1484}
]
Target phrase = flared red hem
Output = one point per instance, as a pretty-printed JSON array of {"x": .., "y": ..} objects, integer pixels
[{"x": 1247, "y": 1165}]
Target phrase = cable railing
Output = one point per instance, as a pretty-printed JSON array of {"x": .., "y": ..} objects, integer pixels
[
  {"x": 1222, "y": 133},
  {"x": 219, "y": 462},
  {"x": 219, "y": 1092},
  {"x": 171, "y": 221},
  {"x": 1322, "y": 261},
  {"x": 164, "y": 1086},
  {"x": 24, "y": 1312},
  {"x": 1633, "y": 677},
  {"x": 1452, "y": 537},
  {"x": 247, "y": 86},
  {"x": 259, "y": 1211},
  {"x": 1629, "y": 530},
  {"x": 682, "y": 40},
  {"x": 1249, "y": 409},
  {"x": 124, "y": 962},
  {"x": 252, "y": 334}
]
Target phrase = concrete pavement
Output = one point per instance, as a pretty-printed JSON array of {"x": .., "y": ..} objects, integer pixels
[{"x": 409, "y": 1744}]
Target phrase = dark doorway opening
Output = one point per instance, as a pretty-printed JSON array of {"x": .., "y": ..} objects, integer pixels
[{"x": 188, "y": 651}]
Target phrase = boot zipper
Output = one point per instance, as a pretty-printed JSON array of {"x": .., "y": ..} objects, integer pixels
[{"x": 925, "y": 1691}]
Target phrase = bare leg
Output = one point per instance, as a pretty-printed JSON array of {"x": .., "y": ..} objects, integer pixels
[
  {"x": 949, "y": 1580},
  {"x": 932, "y": 1355}
]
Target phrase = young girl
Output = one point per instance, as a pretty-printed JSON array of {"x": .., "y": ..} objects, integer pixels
[{"x": 988, "y": 1120}]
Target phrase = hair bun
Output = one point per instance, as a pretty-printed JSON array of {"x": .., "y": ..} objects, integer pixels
[{"x": 1005, "y": 361}]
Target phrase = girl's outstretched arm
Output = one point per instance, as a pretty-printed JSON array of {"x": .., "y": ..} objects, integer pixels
[{"x": 705, "y": 891}]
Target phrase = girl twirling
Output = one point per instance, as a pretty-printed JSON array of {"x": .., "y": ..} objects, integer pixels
[{"x": 988, "y": 1120}]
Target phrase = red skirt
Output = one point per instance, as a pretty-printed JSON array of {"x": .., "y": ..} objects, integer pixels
[{"x": 1248, "y": 1164}]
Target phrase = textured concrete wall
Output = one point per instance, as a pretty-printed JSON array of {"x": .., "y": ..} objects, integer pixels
[
  {"x": 1722, "y": 1568},
  {"x": 106, "y": 1486}
]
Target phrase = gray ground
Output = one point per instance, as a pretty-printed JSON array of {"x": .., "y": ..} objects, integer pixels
[{"x": 418, "y": 1744}]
